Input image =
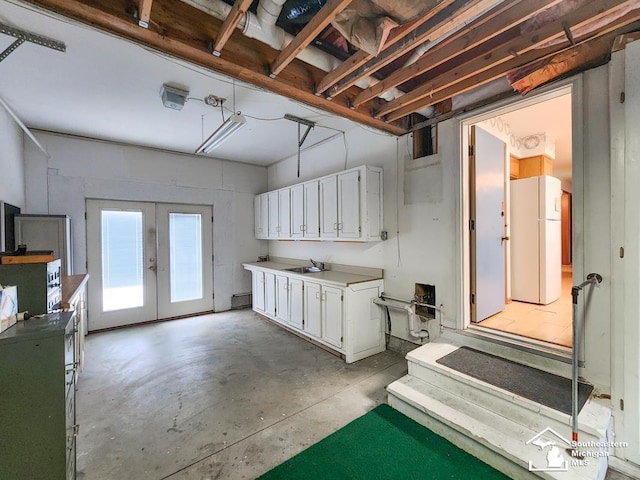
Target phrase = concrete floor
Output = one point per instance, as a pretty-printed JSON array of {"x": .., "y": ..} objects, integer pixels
[{"x": 228, "y": 396}]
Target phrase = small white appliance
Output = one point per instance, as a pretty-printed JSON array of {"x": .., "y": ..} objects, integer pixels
[{"x": 536, "y": 239}]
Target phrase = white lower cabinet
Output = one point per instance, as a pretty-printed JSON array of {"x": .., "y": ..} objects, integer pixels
[
  {"x": 270, "y": 294},
  {"x": 257, "y": 285},
  {"x": 282, "y": 298},
  {"x": 312, "y": 323},
  {"x": 296, "y": 302},
  {"x": 343, "y": 318}
]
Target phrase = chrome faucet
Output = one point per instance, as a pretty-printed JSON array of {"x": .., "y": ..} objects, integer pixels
[{"x": 319, "y": 265}]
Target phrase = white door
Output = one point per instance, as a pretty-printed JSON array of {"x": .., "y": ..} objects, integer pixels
[
  {"x": 312, "y": 309},
  {"x": 297, "y": 211},
  {"x": 487, "y": 164},
  {"x": 295, "y": 302},
  {"x": 129, "y": 283},
  {"x": 329, "y": 207},
  {"x": 332, "y": 315},
  {"x": 349, "y": 205},
  {"x": 311, "y": 209},
  {"x": 282, "y": 298},
  {"x": 185, "y": 259}
]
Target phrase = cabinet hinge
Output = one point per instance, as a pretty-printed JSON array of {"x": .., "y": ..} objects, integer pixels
[
  {"x": 622, "y": 404},
  {"x": 622, "y": 97},
  {"x": 621, "y": 252},
  {"x": 341, "y": 339},
  {"x": 342, "y": 298},
  {"x": 359, "y": 229},
  {"x": 85, "y": 215},
  {"x": 473, "y": 299},
  {"x": 471, "y": 150},
  {"x": 358, "y": 177},
  {"x": 472, "y": 224}
]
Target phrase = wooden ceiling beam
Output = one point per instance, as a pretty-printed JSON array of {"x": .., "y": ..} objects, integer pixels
[
  {"x": 361, "y": 57},
  {"x": 445, "y": 22},
  {"x": 310, "y": 31},
  {"x": 624, "y": 25},
  {"x": 500, "y": 18},
  {"x": 499, "y": 49},
  {"x": 230, "y": 23},
  {"x": 144, "y": 12},
  {"x": 184, "y": 32}
]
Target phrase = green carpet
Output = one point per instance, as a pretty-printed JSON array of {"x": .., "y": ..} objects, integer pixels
[{"x": 383, "y": 444}]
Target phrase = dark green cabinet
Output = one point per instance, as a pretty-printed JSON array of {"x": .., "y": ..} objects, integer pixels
[{"x": 37, "y": 399}]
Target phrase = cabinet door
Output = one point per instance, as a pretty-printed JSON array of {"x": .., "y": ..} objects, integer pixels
[
  {"x": 332, "y": 315},
  {"x": 312, "y": 309},
  {"x": 284, "y": 213},
  {"x": 282, "y": 298},
  {"x": 329, "y": 207},
  {"x": 258, "y": 290},
  {"x": 270, "y": 294},
  {"x": 349, "y": 205},
  {"x": 274, "y": 215},
  {"x": 263, "y": 215},
  {"x": 295, "y": 302},
  {"x": 257, "y": 220},
  {"x": 311, "y": 210},
  {"x": 297, "y": 211}
]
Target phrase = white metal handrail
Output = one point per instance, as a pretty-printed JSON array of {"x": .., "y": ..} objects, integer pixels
[{"x": 592, "y": 279}]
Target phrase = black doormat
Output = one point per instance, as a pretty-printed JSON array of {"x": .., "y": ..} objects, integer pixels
[{"x": 545, "y": 388}]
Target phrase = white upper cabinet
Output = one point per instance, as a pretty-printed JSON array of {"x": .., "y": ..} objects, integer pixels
[
  {"x": 297, "y": 211},
  {"x": 349, "y": 205},
  {"x": 346, "y": 206},
  {"x": 329, "y": 207},
  {"x": 261, "y": 206},
  {"x": 311, "y": 209},
  {"x": 284, "y": 213}
]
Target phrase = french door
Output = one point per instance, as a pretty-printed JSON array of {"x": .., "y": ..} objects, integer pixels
[{"x": 147, "y": 261}]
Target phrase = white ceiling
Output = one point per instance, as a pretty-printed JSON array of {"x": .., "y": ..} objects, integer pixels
[
  {"x": 107, "y": 88},
  {"x": 551, "y": 117}
]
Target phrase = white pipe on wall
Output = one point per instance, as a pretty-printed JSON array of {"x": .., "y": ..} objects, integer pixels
[{"x": 410, "y": 309}]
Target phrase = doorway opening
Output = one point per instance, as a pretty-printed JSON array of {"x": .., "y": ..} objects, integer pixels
[{"x": 520, "y": 214}]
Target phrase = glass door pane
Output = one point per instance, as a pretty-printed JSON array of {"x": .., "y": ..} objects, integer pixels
[
  {"x": 122, "y": 260},
  {"x": 185, "y": 256}
]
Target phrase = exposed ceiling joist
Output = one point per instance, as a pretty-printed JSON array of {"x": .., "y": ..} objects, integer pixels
[
  {"x": 445, "y": 21},
  {"x": 144, "y": 12},
  {"x": 230, "y": 23},
  {"x": 361, "y": 57},
  {"x": 310, "y": 31},
  {"x": 500, "y": 18},
  {"x": 511, "y": 43},
  {"x": 607, "y": 34}
]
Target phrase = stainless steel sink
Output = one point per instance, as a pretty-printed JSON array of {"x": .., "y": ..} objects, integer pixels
[{"x": 303, "y": 269}]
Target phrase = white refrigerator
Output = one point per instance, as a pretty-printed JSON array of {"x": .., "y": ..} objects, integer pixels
[{"x": 536, "y": 239}]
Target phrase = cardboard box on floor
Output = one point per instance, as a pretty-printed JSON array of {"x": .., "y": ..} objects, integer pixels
[{"x": 8, "y": 307}]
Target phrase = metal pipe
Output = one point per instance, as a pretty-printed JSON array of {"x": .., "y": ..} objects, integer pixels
[
  {"x": 24, "y": 128},
  {"x": 592, "y": 279}
]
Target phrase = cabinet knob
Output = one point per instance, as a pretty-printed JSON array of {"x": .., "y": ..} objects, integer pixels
[{"x": 335, "y": 226}]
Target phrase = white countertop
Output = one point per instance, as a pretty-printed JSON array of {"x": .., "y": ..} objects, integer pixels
[{"x": 339, "y": 278}]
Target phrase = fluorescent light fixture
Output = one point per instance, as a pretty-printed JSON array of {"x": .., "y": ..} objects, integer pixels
[{"x": 224, "y": 131}]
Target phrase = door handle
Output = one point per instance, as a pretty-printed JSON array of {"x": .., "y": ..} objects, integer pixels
[
  {"x": 503, "y": 239},
  {"x": 153, "y": 268}
]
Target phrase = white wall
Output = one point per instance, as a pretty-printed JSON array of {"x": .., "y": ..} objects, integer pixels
[
  {"x": 80, "y": 168},
  {"x": 430, "y": 237},
  {"x": 12, "y": 188},
  {"x": 427, "y": 202}
]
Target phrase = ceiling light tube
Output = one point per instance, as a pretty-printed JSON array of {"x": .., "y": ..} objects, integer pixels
[{"x": 224, "y": 131}]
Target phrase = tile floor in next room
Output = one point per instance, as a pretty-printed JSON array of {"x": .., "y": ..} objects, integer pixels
[{"x": 547, "y": 323}]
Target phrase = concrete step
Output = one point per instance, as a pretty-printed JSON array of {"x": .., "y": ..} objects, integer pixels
[
  {"x": 497, "y": 425},
  {"x": 593, "y": 421}
]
